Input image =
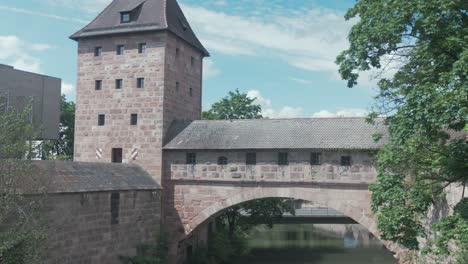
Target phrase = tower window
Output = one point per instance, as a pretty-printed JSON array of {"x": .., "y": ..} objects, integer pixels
[
  {"x": 118, "y": 84},
  {"x": 191, "y": 158},
  {"x": 98, "y": 85},
  {"x": 117, "y": 155},
  {"x": 120, "y": 49},
  {"x": 142, "y": 48},
  {"x": 177, "y": 86},
  {"x": 134, "y": 119},
  {"x": 191, "y": 92},
  {"x": 251, "y": 159},
  {"x": 141, "y": 83},
  {"x": 98, "y": 51},
  {"x": 177, "y": 52},
  {"x": 222, "y": 160},
  {"x": 345, "y": 160},
  {"x": 315, "y": 158},
  {"x": 192, "y": 61},
  {"x": 283, "y": 158},
  {"x": 125, "y": 17},
  {"x": 101, "y": 120},
  {"x": 114, "y": 207}
]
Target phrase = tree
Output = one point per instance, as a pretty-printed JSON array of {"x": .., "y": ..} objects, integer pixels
[
  {"x": 235, "y": 106},
  {"x": 426, "y": 104},
  {"x": 63, "y": 147},
  {"x": 21, "y": 226}
]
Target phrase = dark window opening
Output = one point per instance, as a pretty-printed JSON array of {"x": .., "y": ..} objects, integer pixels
[
  {"x": 315, "y": 158},
  {"x": 115, "y": 205},
  {"x": 142, "y": 48},
  {"x": 191, "y": 158},
  {"x": 98, "y": 51},
  {"x": 283, "y": 158},
  {"x": 117, "y": 155},
  {"x": 98, "y": 85},
  {"x": 120, "y": 50},
  {"x": 222, "y": 160},
  {"x": 192, "y": 61},
  {"x": 345, "y": 160},
  {"x": 101, "y": 120},
  {"x": 134, "y": 119},
  {"x": 251, "y": 159},
  {"x": 177, "y": 86},
  {"x": 177, "y": 51},
  {"x": 118, "y": 84},
  {"x": 191, "y": 92},
  {"x": 125, "y": 17},
  {"x": 141, "y": 83}
]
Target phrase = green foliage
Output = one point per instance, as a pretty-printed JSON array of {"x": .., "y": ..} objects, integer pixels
[
  {"x": 62, "y": 149},
  {"x": 426, "y": 104},
  {"x": 235, "y": 106},
  {"x": 22, "y": 228},
  {"x": 223, "y": 248},
  {"x": 452, "y": 228},
  {"x": 151, "y": 253}
]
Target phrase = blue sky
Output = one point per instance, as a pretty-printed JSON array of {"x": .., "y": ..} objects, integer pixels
[{"x": 280, "y": 51}]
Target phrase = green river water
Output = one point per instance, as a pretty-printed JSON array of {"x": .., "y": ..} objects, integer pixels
[{"x": 307, "y": 244}]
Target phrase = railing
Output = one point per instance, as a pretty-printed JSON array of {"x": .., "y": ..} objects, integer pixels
[{"x": 274, "y": 173}]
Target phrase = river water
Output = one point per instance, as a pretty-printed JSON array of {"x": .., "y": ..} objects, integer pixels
[{"x": 315, "y": 244}]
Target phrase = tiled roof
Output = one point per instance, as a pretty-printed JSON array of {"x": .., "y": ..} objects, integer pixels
[
  {"x": 313, "y": 133},
  {"x": 77, "y": 177},
  {"x": 150, "y": 15}
]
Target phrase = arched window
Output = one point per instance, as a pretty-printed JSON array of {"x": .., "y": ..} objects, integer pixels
[{"x": 222, "y": 160}]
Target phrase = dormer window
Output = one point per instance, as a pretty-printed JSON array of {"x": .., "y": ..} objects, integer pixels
[{"x": 125, "y": 17}]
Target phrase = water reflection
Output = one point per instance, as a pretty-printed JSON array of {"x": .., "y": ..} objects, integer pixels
[{"x": 315, "y": 244}]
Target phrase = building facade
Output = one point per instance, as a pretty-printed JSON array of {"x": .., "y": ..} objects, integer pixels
[{"x": 20, "y": 89}]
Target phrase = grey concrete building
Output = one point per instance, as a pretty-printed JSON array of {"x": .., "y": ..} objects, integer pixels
[{"x": 19, "y": 89}]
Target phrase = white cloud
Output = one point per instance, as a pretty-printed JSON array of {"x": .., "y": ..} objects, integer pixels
[
  {"x": 343, "y": 112},
  {"x": 69, "y": 91},
  {"x": 307, "y": 39},
  {"x": 209, "y": 69},
  {"x": 41, "y": 14},
  {"x": 269, "y": 111},
  {"x": 89, "y": 6},
  {"x": 300, "y": 80},
  {"x": 17, "y": 52}
]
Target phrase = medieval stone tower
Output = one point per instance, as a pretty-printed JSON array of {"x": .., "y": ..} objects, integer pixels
[{"x": 139, "y": 69}]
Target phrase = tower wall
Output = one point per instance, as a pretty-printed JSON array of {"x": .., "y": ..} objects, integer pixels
[{"x": 166, "y": 62}]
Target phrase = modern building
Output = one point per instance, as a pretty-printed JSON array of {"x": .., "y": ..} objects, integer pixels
[{"x": 20, "y": 89}]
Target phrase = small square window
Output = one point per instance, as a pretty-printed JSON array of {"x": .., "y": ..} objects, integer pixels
[
  {"x": 98, "y": 85},
  {"x": 120, "y": 49},
  {"x": 101, "y": 120},
  {"x": 118, "y": 84},
  {"x": 142, "y": 48},
  {"x": 98, "y": 51},
  {"x": 222, "y": 161},
  {"x": 134, "y": 119},
  {"x": 141, "y": 83},
  {"x": 125, "y": 17},
  {"x": 117, "y": 155},
  {"x": 191, "y": 92},
  {"x": 251, "y": 159},
  {"x": 283, "y": 159},
  {"x": 191, "y": 158},
  {"x": 345, "y": 160},
  {"x": 315, "y": 158}
]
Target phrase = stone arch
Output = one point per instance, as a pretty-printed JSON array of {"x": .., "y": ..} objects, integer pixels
[{"x": 353, "y": 203}]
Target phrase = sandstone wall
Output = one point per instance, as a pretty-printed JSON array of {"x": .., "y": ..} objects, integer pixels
[{"x": 80, "y": 228}]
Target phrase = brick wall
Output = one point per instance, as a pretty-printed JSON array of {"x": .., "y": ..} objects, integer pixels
[
  {"x": 80, "y": 229},
  {"x": 267, "y": 168}
]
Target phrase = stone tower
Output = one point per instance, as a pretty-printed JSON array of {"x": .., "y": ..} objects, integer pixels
[{"x": 139, "y": 69}]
